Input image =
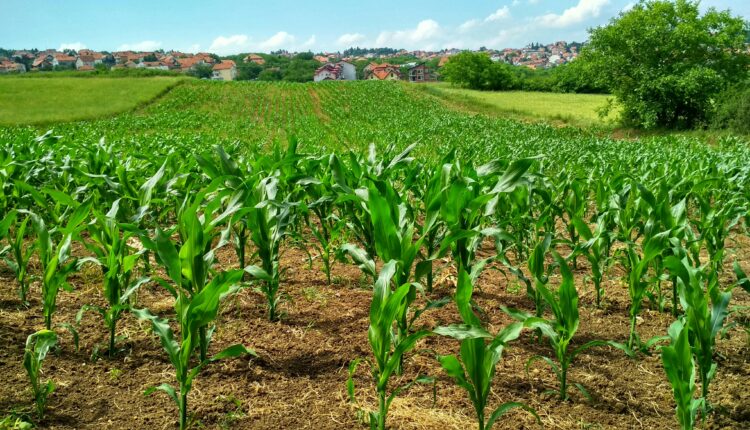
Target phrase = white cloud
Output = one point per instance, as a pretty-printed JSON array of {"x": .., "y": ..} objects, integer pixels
[
  {"x": 628, "y": 6},
  {"x": 309, "y": 43},
  {"x": 350, "y": 39},
  {"x": 77, "y": 46},
  {"x": 279, "y": 40},
  {"x": 498, "y": 15},
  {"x": 424, "y": 36},
  {"x": 230, "y": 44},
  {"x": 533, "y": 1},
  {"x": 584, "y": 10},
  {"x": 146, "y": 45},
  {"x": 515, "y": 2},
  {"x": 194, "y": 48},
  {"x": 468, "y": 26}
]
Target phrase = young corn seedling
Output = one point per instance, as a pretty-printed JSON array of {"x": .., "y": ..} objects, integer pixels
[
  {"x": 704, "y": 321},
  {"x": 269, "y": 220},
  {"x": 109, "y": 244},
  {"x": 562, "y": 329},
  {"x": 20, "y": 254},
  {"x": 714, "y": 225},
  {"x": 475, "y": 371},
  {"x": 55, "y": 260},
  {"x": 384, "y": 311},
  {"x": 37, "y": 346},
  {"x": 322, "y": 198},
  {"x": 637, "y": 266},
  {"x": 193, "y": 313},
  {"x": 680, "y": 369},
  {"x": 189, "y": 262},
  {"x": 596, "y": 249},
  {"x": 394, "y": 241}
]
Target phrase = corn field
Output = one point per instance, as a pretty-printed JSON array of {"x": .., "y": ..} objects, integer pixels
[{"x": 325, "y": 256}]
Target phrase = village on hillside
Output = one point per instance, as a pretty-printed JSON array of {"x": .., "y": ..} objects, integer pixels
[{"x": 352, "y": 64}]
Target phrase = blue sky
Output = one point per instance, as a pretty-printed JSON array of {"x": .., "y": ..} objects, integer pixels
[{"x": 232, "y": 26}]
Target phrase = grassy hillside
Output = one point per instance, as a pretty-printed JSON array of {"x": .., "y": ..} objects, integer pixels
[
  {"x": 37, "y": 101},
  {"x": 570, "y": 109}
]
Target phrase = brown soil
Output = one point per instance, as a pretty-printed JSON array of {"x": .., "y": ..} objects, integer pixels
[{"x": 298, "y": 381}]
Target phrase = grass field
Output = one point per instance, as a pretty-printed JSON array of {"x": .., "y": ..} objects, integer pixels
[
  {"x": 570, "y": 109},
  {"x": 39, "y": 101}
]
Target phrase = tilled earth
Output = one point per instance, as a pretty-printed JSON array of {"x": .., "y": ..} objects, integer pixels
[{"x": 299, "y": 379}]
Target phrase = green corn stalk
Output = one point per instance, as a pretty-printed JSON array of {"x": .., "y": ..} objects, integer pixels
[
  {"x": 189, "y": 263},
  {"x": 539, "y": 273},
  {"x": 37, "y": 346},
  {"x": 55, "y": 260},
  {"x": 562, "y": 329},
  {"x": 680, "y": 369},
  {"x": 705, "y": 322},
  {"x": 714, "y": 225},
  {"x": 269, "y": 222},
  {"x": 384, "y": 310},
  {"x": 193, "y": 313},
  {"x": 475, "y": 371},
  {"x": 109, "y": 244},
  {"x": 319, "y": 190},
  {"x": 20, "y": 253},
  {"x": 596, "y": 249},
  {"x": 637, "y": 265}
]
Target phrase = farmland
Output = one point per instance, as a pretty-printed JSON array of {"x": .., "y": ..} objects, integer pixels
[
  {"x": 48, "y": 100},
  {"x": 309, "y": 235},
  {"x": 568, "y": 109}
]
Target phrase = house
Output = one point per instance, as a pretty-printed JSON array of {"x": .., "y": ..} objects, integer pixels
[
  {"x": 63, "y": 60},
  {"x": 152, "y": 65},
  {"x": 321, "y": 59},
  {"x": 443, "y": 61},
  {"x": 254, "y": 58},
  {"x": 87, "y": 60},
  {"x": 11, "y": 67},
  {"x": 190, "y": 63},
  {"x": 382, "y": 72},
  {"x": 42, "y": 62},
  {"x": 341, "y": 71},
  {"x": 225, "y": 71},
  {"x": 420, "y": 73}
]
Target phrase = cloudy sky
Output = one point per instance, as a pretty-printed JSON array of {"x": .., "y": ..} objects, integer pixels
[{"x": 233, "y": 26}]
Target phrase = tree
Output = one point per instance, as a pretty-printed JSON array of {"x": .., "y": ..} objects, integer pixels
[
  {"x": 270, "y": 75},
  {"x": 248, "y": 71},
  {"x": 478, "y": 72},
  {"x": 150, "y": 57},
  {"x": 666, "y": 63},
  {"x": 201, "y": 71}
]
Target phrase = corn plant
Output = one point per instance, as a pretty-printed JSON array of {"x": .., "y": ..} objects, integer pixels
[
  {"x": 384, "y": 311},
  {"x": 562, "y": 329},
  {"x": 109, "y": 244},
  {"x": 189, "y": 262},
  {"x": 637, "y": 265},
  {"x": 55, "y": 260},
  {"x": 475, "y": 371},
  {"x": 680, "y": 369},
  {"x": 37, "y": 346},
  {"x": 716, "y": 220},
  {"x": 20, "y": 253},
  {"x": 269, "y": 219},
  {"x": 193, "y": 313},
  {"x": 705, "y": 322},
  {"x": 319, "y": 190},
  {"x": 596, "y": 249}
]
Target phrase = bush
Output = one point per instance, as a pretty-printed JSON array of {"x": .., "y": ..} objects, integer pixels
[{"x": 733, "y": 109}]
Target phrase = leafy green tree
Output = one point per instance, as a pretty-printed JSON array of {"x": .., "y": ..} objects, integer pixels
[
  {"x": 150, "y": 57},
  {"x": 665, "y": 62},
  {"x": 477, "y": 71},
  {"x": 201, "y": 71},
  {"x": 248, "y": 71},
  {"x": 270, "y": 75}
]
